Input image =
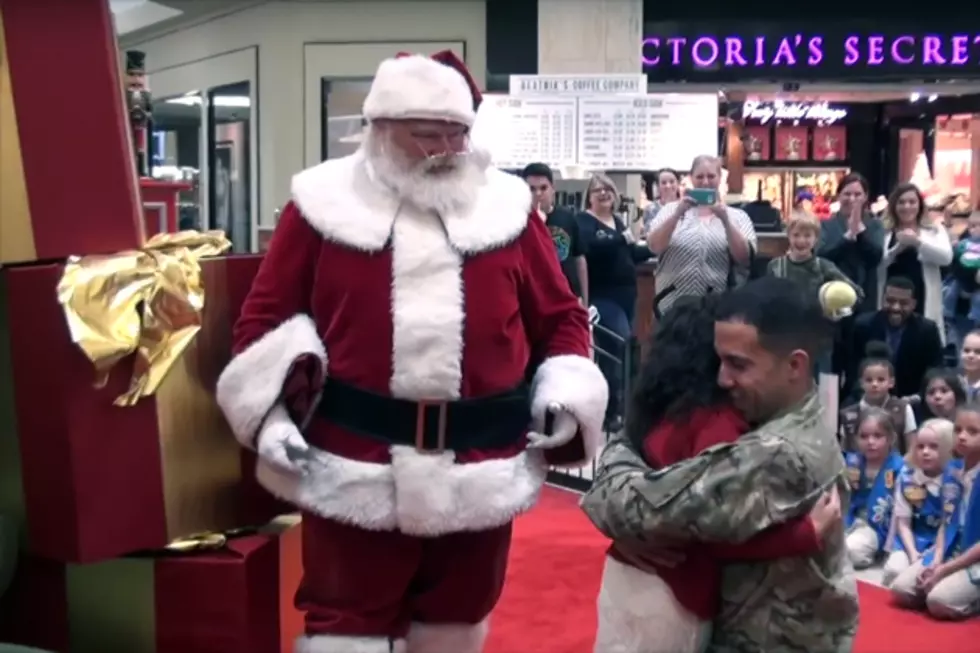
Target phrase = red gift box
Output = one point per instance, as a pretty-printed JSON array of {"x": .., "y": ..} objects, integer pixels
[
  {"x": 234, "y": 600},
  {"x": 96, "y": 480},
  {"x": 61, "y": 99}
]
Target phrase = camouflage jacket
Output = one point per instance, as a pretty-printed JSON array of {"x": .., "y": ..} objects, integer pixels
[{"x": 729, "y": 493}]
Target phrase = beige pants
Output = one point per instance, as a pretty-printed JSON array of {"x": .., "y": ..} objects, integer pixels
[
  {"x": 954, "y": 597},
  {"x": 638, "y": 614},
  {"x": 862, "y": 545},
  {"x": 898, "y": 561}
]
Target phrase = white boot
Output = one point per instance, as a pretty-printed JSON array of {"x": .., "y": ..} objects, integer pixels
[
  {"x": 343, "y": 644},
  {"x": 447, "y": 638}
]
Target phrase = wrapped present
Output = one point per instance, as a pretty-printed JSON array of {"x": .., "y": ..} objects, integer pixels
[
  {"x": 110, "y": 439},
  {"x": 233, "y": 599},
  {"x": 50, "y": 208}
]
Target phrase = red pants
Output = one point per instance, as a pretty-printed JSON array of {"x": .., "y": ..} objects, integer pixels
[{"x": 370, "y": 584}]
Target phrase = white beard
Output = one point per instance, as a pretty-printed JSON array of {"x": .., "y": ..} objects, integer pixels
[{"x": 444, "y": 186}]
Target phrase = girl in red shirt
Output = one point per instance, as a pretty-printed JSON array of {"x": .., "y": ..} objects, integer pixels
[{"x": 677, "y": 411}]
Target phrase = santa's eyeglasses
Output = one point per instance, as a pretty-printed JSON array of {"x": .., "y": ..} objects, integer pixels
[{"x": 436, "y": 144}]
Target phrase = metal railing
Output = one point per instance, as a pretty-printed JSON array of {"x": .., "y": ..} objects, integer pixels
[{"x": 581, "y": 479}]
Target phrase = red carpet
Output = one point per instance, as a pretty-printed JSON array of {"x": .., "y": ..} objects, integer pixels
[{"x": 556, "y": 561}]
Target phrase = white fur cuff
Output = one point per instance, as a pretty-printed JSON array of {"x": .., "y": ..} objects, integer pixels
[
  {"x": 575, "y": 383},
  {"x": 252, "y": 383},
  {"x": 344, "y": 644}
]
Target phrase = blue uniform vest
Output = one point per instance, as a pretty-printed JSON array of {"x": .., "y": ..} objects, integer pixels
[
  {"x": 928, "y": 511},
  {"x": 960, "y": 538},
  {"x": 872, "y": 498}
]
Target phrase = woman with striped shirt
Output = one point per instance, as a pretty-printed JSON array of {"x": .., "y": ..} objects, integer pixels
[{"x": 701, "y": 249}]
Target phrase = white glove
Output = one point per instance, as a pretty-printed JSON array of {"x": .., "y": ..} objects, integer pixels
[
  {"x": 281, "y": 444},
  {"x": 565, "y": 428}
]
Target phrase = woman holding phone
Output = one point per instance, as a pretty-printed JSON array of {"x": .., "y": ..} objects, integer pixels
[{"x": 703, "y": 245}]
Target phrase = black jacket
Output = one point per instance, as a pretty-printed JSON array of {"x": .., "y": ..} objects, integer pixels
[
  {"x": 858, "y": 258},
  {"x": 920, "y": 349}
]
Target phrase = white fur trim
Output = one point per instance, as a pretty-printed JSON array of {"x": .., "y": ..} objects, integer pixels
[
  {"x": 418, "y": 494},
  {"x": 342, "y": 644},
  {"x": 637, "y": 611},
  {"x": 345, "y": 205},
  {"x": 447, "y": 638},
  {"x": 426, "y": 311},
  {"x": 252, "y": 382},
  {"x": 419, "y": 87},
  {"x": 576, "y": 383}
]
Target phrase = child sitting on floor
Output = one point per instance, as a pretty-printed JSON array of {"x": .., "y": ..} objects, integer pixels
[
  {"x": 947, "y": 578},
  {"x": 872, "y": 471},
  {"x": 917, "y": 513},
  {"x": 877, "y": 375}
]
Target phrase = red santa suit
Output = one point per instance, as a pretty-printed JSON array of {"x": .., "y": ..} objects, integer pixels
[{"x": 398, "y": 341}]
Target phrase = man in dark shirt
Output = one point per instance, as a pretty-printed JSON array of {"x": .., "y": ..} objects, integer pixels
[
  {"x": 913, "y": 341},
  {"x": 563, "y": 226}
]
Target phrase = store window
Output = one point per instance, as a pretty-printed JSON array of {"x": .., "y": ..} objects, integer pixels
[
  {"x": 343, "y": 126},
  {"x": 229, "y": 115},
  {"x": 953, "y": 158},
  {"x": 175, "y": 150}
]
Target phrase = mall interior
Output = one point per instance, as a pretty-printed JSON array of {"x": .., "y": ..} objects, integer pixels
[{"x": 130, "y": 519}]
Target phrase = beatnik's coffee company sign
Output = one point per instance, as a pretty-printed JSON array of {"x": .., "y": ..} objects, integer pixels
[
  {"x": 837, "y": 52},
  {"x": 765, "y": 113}
]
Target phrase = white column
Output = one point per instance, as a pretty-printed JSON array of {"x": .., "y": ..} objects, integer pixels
[{"x": 588, "y": 37}]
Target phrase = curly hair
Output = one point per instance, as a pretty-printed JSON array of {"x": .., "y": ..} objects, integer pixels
[{"x": 681, "y": 373}]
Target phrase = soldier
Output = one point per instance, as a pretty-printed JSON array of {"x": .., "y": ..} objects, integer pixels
[{"x": 766, "y": 336}]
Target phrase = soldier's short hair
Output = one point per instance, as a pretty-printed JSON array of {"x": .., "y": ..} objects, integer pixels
[{"x": 785, "y": 318}]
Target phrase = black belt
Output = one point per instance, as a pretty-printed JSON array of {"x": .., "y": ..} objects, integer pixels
[{"x": 493, "y": 422}]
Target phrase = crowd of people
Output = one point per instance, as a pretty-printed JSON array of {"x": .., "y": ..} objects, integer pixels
[
  {"x": 908, "y": 426},
  {"x": 410, "y": 361}
]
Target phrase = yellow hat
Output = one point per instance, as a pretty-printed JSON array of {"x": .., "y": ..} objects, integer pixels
[{"x": 837, "y": 299}]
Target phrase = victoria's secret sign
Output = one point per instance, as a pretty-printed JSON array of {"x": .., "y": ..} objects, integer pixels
[{"x": 703, "y": 55}]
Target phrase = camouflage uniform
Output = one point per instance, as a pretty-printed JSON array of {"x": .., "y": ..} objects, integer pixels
[{"x": 728, "y": 494}]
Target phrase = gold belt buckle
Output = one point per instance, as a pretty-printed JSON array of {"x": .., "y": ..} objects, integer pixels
[{"x": 422, "y": 406}]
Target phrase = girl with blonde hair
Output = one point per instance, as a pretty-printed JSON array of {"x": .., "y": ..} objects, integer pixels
[{"x": 917, "y": 511}]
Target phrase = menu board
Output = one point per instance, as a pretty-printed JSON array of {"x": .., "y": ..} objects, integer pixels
[
  {"x": 646, "y": 132},
  {"x": 519, "y": 131}
]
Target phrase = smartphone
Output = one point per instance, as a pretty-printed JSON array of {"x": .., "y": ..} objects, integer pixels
[{"x": 702, "y": 196}]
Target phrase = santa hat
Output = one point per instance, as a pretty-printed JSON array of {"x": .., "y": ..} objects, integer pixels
[{"x": 428, "y": 88}]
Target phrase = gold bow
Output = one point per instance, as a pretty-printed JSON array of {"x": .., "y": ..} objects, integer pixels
[
  {"x": 208, "y": 540},
  {"x": 147, "y": 301}
]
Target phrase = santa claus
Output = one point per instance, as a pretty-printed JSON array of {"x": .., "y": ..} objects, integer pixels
[{"x": 380, "y": 372}]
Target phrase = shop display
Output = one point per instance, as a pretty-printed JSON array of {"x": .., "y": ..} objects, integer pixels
[
  {"x": 815, "y": 190},
  {"x": 141, "y": 453},
  {"x": 791, "y": 144},
  {"x": 830, "y": 143},
  {"x": 807, "y": 189},
  {"x": 224, "y": 597},
  {"x": 765, "y": 186},
  {"x": 757, "y": 143},
  {"x": 139, "y": 104},
  {"x": 953, "y": 157}
]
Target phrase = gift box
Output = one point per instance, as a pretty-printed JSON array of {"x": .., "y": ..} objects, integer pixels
[
  {"x": 95, "y": 472},
  {"x": 234, "y": 600},
  {"x": 51, "y": 208}
]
